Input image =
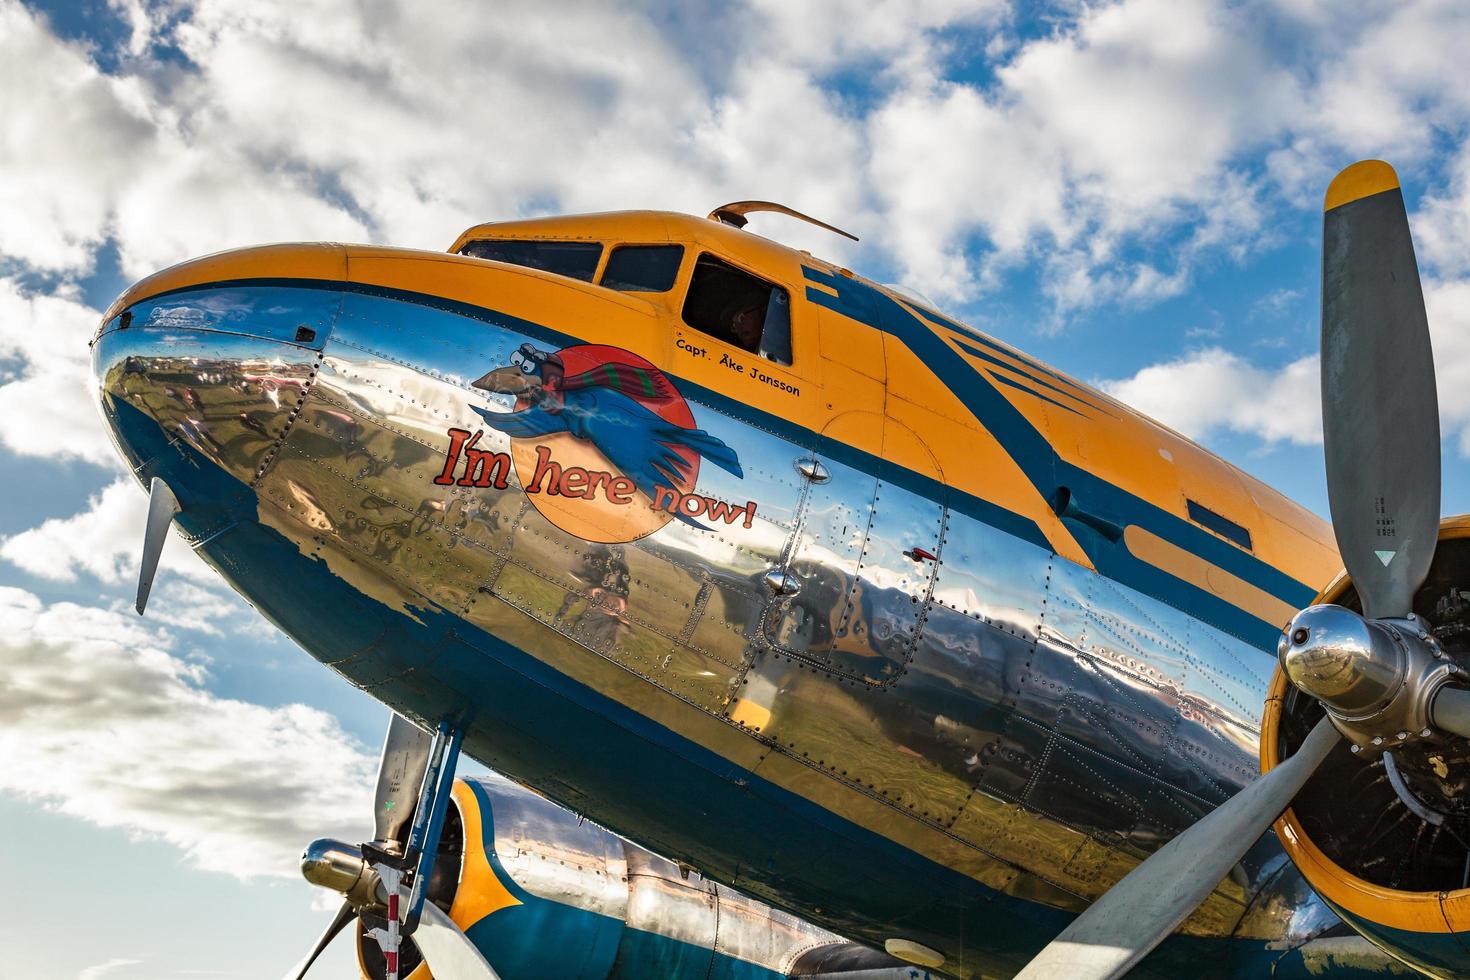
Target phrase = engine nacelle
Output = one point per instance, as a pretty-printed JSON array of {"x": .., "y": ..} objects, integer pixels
[
  {"x": 1384, "y": 838},
  {"x": 543, "y": 893}
]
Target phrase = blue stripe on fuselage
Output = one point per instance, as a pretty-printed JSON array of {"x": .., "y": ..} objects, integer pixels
[
  {"x": 1032, "y": 391},
  {"x": 975, "y": 350},
  {"x": 1047, "y": 471}
]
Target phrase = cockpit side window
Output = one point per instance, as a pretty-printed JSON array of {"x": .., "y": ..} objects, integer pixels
[
  {"x": 576, "y": 260},
  {"x": 740, "y": 309},
  {"x": 643, "y": 268}
]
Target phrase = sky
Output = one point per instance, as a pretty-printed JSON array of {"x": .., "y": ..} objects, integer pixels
[{"x": 1128, "y": 190}]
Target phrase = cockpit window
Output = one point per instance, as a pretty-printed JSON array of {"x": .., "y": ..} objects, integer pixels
[
  {"x": 643, "y": 268},
  {"x": 740, "y": 309},
  {"x": 576, "y": 260}
]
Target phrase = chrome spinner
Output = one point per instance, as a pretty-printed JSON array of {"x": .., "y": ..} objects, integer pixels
[{"x": 1376, "y": 678}]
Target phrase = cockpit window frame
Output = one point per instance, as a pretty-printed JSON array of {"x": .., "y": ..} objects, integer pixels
[
  {"x": 692, "y": 259},
  {"x": 593, "y": 276},
  {"x": 613, "y": 248}
]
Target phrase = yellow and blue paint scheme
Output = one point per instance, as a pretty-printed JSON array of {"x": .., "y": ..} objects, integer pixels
[
  {"x": 544, "y": 893},
  {"x": 1032, "y": 637}
]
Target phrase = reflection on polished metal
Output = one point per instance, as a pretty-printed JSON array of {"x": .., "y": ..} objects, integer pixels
[
  {"x": 933, "y": 700},
  {"x": 912, "y": 952},
  {"x": 813, "y": 470},
  {"x": 781, "y": 583},
  {"x": 1120, "y": 928},
  {"x": 1018, "y": 722},
  {"x": 1378, "y": 679},
  {"x": 1353, "y": 665},
  {"x": 1451, "y": 710},
  {"x": 650, "y": 916},
  {"x": 341, "y": 867}
]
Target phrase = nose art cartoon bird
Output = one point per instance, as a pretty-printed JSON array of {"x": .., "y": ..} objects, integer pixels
[{"x": 597, "y": 405}]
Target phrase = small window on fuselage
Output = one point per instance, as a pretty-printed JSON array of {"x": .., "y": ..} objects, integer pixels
[
  {"x": 643, "y": 268},
  {"x": 576, "y": 260},
  {"x": 744, "y": 311},
  {"x": 1219, "y": 523}
]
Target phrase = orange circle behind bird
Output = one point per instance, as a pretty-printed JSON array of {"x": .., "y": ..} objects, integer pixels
[{"x": 591, "y": 510}]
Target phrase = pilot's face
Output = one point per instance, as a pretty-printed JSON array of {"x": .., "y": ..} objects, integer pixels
[{"x": 747, "y": 328}]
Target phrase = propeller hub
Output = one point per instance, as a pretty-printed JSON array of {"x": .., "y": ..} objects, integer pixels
[
  {"x": 342, "y": 868},
  {"x": 1377, "y": 678},
  {"x": 1343, "y": 660}
]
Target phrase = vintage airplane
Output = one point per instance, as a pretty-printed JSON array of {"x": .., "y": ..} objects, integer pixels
[{"x": 792, "y": 579}]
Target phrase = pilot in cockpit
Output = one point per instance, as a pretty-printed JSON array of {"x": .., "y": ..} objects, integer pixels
[{"x": 746, "y": 325}]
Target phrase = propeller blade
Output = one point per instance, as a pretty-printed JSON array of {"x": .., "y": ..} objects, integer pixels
[
  {"x": 1139, "y": 912},
  {"x": 162, "y": 506},
  {"x": 1380, "y": 416},
  {"x": 343, "y": 917},
  {"x": 447, "y": 950},
  {"x": 400, "y": 776},
  {"x": 1451, "y": 711}
]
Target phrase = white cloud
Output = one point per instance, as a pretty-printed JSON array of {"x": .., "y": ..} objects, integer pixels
[
  {"x": 1106, "y": 133},
  {"x": 99, "y": 720},
  {"x": 134, "y": 155},
  {"x": 105, "y": 541},
  {"x": 747, "y": 144},
  {"x": 1448, "y": 306},
  {"x": 948, "y": 164},
  {"x": 182, "y": 604},
  {"x": 1214, "y": 389},
  {"x": 46, "y": 405},
  {"x": 196, "y": 199},
  {"x": 823, "y": 33},
  {"x": 1149, "y": 117},
  {"x": 70, "y": 145},
  {"x": 350, "y": 119},
  {"x": 100, "y": 970},
  {"x": 1441, "y": 226},
  {"x": 1390, "y": 74}
]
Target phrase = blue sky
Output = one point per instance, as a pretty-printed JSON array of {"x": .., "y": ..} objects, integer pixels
[{"x": 1127, "y": 190}]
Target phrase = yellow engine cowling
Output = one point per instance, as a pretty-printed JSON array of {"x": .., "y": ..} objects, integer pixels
[{"x": 1386, "y": 841}]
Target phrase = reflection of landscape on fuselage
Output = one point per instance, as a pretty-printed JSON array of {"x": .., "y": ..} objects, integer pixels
[
  {"x": 228, "y": 410},
  {"x": 900, "y": 705},
  {"x": 991, "y": 711}
]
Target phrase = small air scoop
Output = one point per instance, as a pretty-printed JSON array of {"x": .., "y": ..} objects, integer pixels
[{"x": 734, "y": 215}]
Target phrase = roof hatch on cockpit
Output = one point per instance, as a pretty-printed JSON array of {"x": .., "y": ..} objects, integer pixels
[{"x": 734, "y": 215}]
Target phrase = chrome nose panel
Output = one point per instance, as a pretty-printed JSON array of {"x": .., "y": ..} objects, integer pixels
[{"x": 221, "y": 369}]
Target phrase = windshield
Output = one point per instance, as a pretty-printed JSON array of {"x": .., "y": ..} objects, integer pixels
[{"x": 577, "y": 260}]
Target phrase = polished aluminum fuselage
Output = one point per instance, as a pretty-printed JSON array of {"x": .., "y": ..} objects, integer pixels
[
  {"x": 554, "y": 895},
  {"x": 929, "y": 727}
]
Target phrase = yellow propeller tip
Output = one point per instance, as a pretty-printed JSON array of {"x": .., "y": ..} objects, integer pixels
[{"x": 1363, "y": 179}]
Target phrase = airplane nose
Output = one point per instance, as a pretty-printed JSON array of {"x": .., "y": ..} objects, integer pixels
[{"x": 211, "y": 360}]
